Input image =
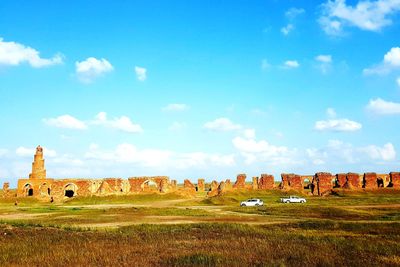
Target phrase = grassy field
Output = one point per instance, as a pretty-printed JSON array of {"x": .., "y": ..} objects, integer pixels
[{"x": 345, "y": 229}]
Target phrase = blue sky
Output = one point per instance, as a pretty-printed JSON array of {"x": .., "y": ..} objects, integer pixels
[{"x": 196, "y": 89}]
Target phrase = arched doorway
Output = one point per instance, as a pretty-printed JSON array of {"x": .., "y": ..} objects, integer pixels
[
  {"x": 149, "y": 185},
  {"x": 28, "y": 190},
  {"x": 44, "y": 189},
  {"x": 379, "y": 182},
  {"x": 70, "y": 190}
]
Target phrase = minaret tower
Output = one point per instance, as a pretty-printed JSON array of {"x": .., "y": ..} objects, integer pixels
[{"x": 38, "y": 170}]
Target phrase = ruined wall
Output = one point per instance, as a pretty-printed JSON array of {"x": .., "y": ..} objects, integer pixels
[
  {"x": 370, "y": 180},
  {"x": 395, "y": 179},
  {"x": 228, "y": 185},
  {"x": 266, "y": 182},
  {"x": 6, "y": 190},
  {"x": 353, "y": 181},
  {"x": 254, "y": 184},
  {"x": 341, "y": 179},
  {"x": 296, "y": 182},
  {"x": 187, "y": 185},
  {"x": 285, "y": 181},
  {"x": 240, "y": 181},
  {"x": 323, "y": 183},
  {"x": 200, "y": 185}
]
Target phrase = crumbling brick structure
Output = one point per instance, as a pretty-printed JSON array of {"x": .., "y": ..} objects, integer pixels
[
  {"x": 296, "y": 182},
  {"x": 254, "y": 184},
  {"x": 266, "y": 182},
  {"x": 200, "y": 185},
  {"x": 341, "y": 179},
  {"x": 285, "y": 184},
  {"x": 240, "y": 181},
  {"x": 395, "y": 179},
  {"x": 187, "y": 185},
  {"x": 353, "y": 180},
  {"x": 370, "y": 180},
  {"x": 228, "y": 185},
  {"x": 323, "y": 183},
  {"x": 6, "y": 189}
]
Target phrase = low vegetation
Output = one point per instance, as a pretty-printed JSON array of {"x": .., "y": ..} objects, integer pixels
[{"x": 346, "y": 228}]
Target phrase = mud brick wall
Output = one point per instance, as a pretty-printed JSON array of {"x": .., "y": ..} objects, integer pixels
[
  {"x": 6, "y": 189},
  {"x": 353, "y": 180},
  {"x": 200, "y": 185},
  {"x": 323, "y": 182},
  {"x": 341, "y": 179},
  {"x": 228, "y": 184},
  {"x": 296, "y": 182},
  {"x": 285, "y": 181},
  {"x": 370, "y": 180},
  {"x": 254, "y": 184},
  {"x": 187, "y": 185},
  {"x": 266, "y": 182},
  {"x": 240, "y": 181},
  {"x": 395, "y": 179}
]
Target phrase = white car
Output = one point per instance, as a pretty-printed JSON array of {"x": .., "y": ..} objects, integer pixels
[
  {"x": 293, "y": 199},
  {"x": 252, "y": 202}
]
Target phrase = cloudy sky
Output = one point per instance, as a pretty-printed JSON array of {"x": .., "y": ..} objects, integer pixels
[{"x": 196, "y": 89}]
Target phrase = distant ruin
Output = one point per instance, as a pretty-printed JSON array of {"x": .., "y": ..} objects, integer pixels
[{"x": 322, "y": 183}]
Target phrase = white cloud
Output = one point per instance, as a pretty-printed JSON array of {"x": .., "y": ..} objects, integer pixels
[
  {"x": 386, "y": 153},
  {"x": 29, "y": 152},
  {"x": 122, "y": 123},
  {"x": 291, "y": 64},
  {"x": 287, "y": 29},
  {"x": 337, "y": 152},
  {"x": 176, "y": 126},
  {"x": 262, "y": 151},
  {"x": 291, "y": 15},
  {"x": 398, "y": 81},
  {"x": 66, "y": 121},
  {"x": 14, "y": 54},
  {"x": 249, "y": 133},
  {"x": 331, "y": 113},
  {"x": 175, "y": 107},
  {"x": 264, "y": 64},
  {"x": 129, "y": 154},
  {"x": 324, "y": 58},
  {"x": 391, "y": 60},
  {"x": 3, "y": 152},
  {"x": 91, "y": 68},
  {"x": 338, "y": 125},
  {"x": 366, "y": 15},
  {"x": 222, "y": 124},
  {"x": 293, "y": 12},
  {"x": 141, "y": 73},
  {"x": 382, "y": 107}
]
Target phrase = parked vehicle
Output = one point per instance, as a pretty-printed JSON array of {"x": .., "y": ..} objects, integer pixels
[
  {"x": 252, "y": 202},
  {"x": 293, "y": 199}
]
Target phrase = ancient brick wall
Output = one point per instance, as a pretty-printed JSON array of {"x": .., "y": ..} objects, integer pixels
[
  {"x": 353, "y": 180},
  {"x": 266, "y": 182},
  {"x": 200, "y": 185},
  {"x": 240, "y": 181},
  {"x": 187, "y": 185},
  {"x": 323, "y": 182},
  {"x": 370, "y": 180},
  {"x": 341, "y": 179},
  {"x": 285, "y": 181},
  {"x": 395, "y": 179},
  {"x": 296, "y": 182},
  {"x": 254, "y": 184},
  {"x": 6, "y": 190}
]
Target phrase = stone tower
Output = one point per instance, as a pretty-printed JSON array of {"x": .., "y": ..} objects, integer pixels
[{"x": 38, "y": 170}]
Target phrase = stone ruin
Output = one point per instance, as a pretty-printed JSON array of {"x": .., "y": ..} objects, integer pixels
[
  {"x": 38, "y": 185},
  {"x": 6, "y": 190}
]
